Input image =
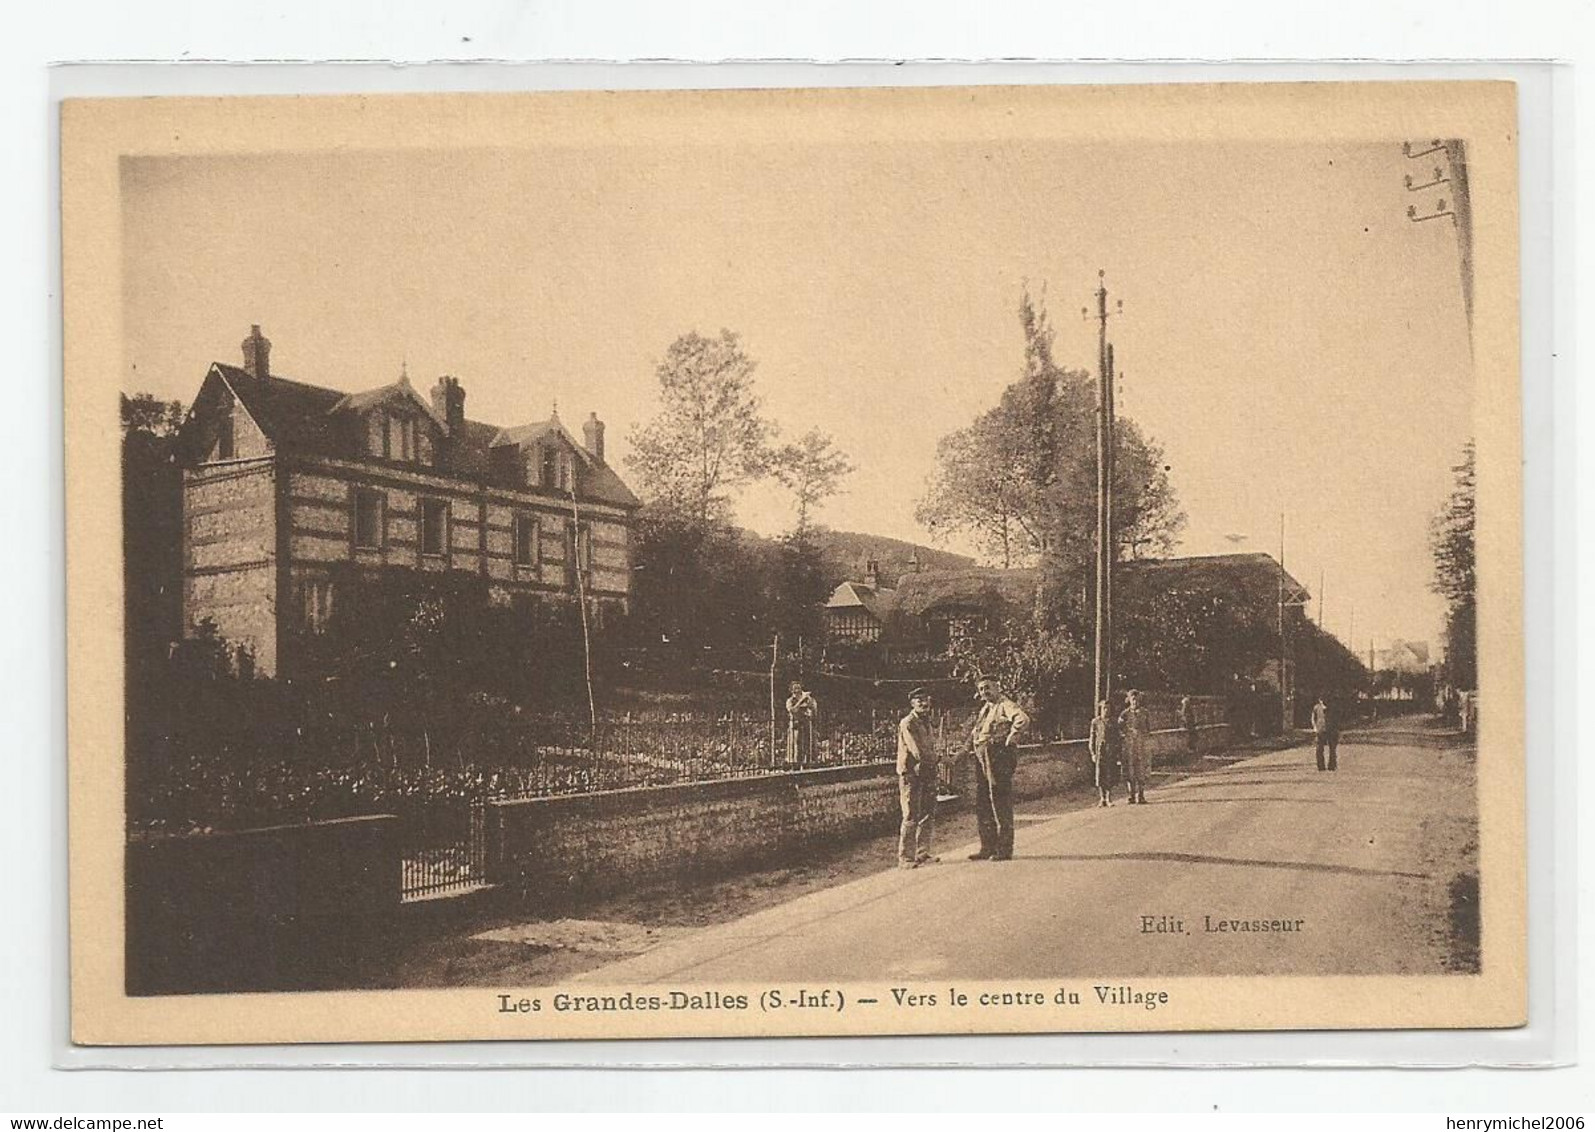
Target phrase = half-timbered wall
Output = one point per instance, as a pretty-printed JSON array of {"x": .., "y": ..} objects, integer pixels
[{"x": 231, "y": 543}]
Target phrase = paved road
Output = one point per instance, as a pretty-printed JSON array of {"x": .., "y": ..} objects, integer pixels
[{"x": 1358, "y": 863}]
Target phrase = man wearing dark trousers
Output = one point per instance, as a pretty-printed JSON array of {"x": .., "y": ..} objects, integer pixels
[
  {"x": 916, "y": 780},
  {"x": 1326, "y": 734},
  {"x": 997, "y": 730}
]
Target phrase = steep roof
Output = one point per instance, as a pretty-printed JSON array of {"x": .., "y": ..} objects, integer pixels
[
  {"x": 874, "y": 600},
  {"x": 359, "y": 402},
  {"x": 1405, "y": 656},
  {"x": 304, "y": 417},
  {"x": 288, "y": 412},
  {"x": 977, "y": 587},
  {"x": 1254, "y": 571},
  {"x": 989, "y": 587},
  {"x": 531, "y": 433}
]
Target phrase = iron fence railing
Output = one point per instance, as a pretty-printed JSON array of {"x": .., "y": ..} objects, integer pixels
[
  {"x": 442, "y": 849},
  {"x": 440, "y": 797},
  {"x": 182, "y": 789}
]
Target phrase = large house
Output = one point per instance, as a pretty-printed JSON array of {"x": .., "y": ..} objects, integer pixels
[{"x": 286, "y": 483}]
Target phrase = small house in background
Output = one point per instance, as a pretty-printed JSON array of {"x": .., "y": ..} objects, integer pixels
[
  {"x": 285, "y": 482},
  {"x": 858, "y": 611},
  {"x": 1407, "y": 658}
]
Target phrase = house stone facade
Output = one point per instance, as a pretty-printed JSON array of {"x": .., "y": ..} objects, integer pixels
[{"x": 285, "y": 484}]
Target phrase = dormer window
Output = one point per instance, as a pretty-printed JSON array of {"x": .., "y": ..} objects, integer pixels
[
  {"x": 397, "y": 436},
  {"x": 550, "y": 472},
  {"x": 400, "y": 438}
]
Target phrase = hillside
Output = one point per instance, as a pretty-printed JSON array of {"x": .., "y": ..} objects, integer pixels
[{"x": 847, "y": 551}]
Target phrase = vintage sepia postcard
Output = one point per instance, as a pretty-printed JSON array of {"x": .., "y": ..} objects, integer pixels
[{"x": 793, "y": 562}]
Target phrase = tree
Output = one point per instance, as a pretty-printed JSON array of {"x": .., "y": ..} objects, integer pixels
[
  {"x": 142, "y": 413},
  {"x": 710, "y": 436},
  {"x": 1451, "y": 541},
  {"x": 798, "y": 585},
  {"x": 1021, "y": 478},
  {"x": 152, "y": 534},
  {"x": 812, "y": 470}
]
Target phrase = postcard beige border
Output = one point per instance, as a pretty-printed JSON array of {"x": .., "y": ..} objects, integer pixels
[{"x": 96, "y": 133}]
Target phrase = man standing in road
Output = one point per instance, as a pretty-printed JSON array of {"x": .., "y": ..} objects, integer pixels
[
  {"x": 1135, "y": 725},
  {"x": 996, "y": 738},
  {"x": 916, "y": 782},
  {"x": 1326, "y": 734}
]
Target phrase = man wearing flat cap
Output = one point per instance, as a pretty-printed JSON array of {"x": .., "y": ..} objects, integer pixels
[
  {"x": 916, "y": 782},
  {"x": 996, "y": 739}
]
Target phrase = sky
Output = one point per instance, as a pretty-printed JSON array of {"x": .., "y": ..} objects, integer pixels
[{"x": 1294, "y": 343}]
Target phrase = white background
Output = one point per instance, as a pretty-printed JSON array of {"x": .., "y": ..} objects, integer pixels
[{"x": 31, "y": 972}]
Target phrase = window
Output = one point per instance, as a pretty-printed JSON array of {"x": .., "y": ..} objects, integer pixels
[
  {"x": 318, "y": 605},
  {"x": 526, "y": 541},
  {"x": 578, "y": 553},
  {"x": 434, "y": 526},
  {"x": 368, "y": 519},
  {"x": 550, "y": 468},
  {"x": 564, "y": 471},
  {"x": 225, "y": 441},
  {"x": 395, "y": 436}
]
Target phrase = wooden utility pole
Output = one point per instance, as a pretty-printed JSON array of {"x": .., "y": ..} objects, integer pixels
[
  {"x": 575, "y": 548},
  {"x": 1110, "y": 660},
  {"x": 775, "y": 656},
  {"x": 1105, "y": 427},
  {"x": 1284, "y": 695}
]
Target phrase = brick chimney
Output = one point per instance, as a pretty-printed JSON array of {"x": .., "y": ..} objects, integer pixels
[
  {"x": 257, "y": 353},
  {"x": 448, "y": 402},
  {"x": 593, "y": 433}
]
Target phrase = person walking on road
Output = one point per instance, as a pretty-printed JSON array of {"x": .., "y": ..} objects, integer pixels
[
  {"x": 1104, "y": 753},
  {"x": 1188, "y": 721},
  {"x": 996, "y": 738},
  {"x": 916, "y": 782},
  {"x": 1326, "y": 734},
  {"x": 1135, "y": 725}
]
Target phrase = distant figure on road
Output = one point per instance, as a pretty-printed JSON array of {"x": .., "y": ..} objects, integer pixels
[
  {"x": 916, "y": 782},
  {"x": 1188, "y": 721},
  {"x": 801, "y": 707},
  {"x": 1135, "y": 725},
  {"x": 1326, "y": 733},
  {"x": 996, "y": 737},
  {"x": 1105, "y": 753}
]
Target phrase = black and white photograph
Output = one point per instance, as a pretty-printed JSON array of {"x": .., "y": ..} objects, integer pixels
[{"x": 794, "y": 562}]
